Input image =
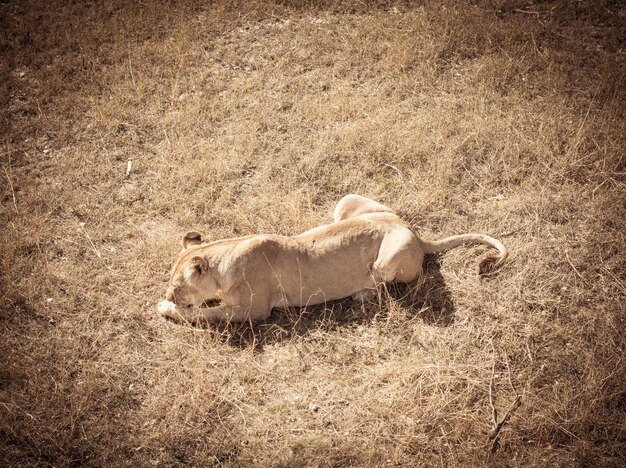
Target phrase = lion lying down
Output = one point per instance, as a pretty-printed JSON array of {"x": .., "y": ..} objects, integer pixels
[{"x": 367, "y": 244}]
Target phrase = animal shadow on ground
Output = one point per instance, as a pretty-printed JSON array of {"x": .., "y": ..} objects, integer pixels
[{"x": 429, "y": 300}]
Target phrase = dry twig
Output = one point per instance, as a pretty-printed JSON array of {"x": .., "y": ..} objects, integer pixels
[
  {"x": 397, "y": 171},
  {"x": 498, "y": 425},
  {"x": 495, "y": 432},
  {"x": 8, "y": 176},
  {"x": 93, "y": 246}
]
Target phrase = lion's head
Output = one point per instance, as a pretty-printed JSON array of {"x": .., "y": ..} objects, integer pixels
[{"x": 191, "y": 280}]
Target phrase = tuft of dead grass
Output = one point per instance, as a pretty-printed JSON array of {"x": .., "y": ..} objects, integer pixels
[{"x": 504, "y": 117}]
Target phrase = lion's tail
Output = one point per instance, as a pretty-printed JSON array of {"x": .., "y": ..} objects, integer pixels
[{"x": 487, "y": 265}]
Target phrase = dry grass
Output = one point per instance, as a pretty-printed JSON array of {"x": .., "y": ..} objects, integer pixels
[{"x": 506, "y": 117}]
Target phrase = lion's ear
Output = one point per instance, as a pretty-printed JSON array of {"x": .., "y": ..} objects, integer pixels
[
  {"x": 199, "y": 264},
  {"x": 191, "y": 238}
]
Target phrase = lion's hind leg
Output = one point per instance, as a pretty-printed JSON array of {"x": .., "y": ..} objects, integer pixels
[
  {"x": 399, "y": 258},
  {"x": 354, "y": 205}
]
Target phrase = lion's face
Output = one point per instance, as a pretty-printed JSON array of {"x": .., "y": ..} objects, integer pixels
[{"x": 191, "y": 280}]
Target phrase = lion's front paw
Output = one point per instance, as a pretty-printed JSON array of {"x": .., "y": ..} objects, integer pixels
[{"x": 166, "y": 308}]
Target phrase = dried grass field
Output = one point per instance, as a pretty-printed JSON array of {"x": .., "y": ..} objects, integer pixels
[{"x": 504, "y": 117}]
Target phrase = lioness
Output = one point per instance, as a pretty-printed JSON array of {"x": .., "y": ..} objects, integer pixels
[{"x": 367, "y": 244}]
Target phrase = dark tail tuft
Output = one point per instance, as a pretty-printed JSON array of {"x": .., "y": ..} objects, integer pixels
[{"x": 487, "y": 266}]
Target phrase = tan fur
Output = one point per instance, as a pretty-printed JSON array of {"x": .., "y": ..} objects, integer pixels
[{"x": 367, "y": 245}]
